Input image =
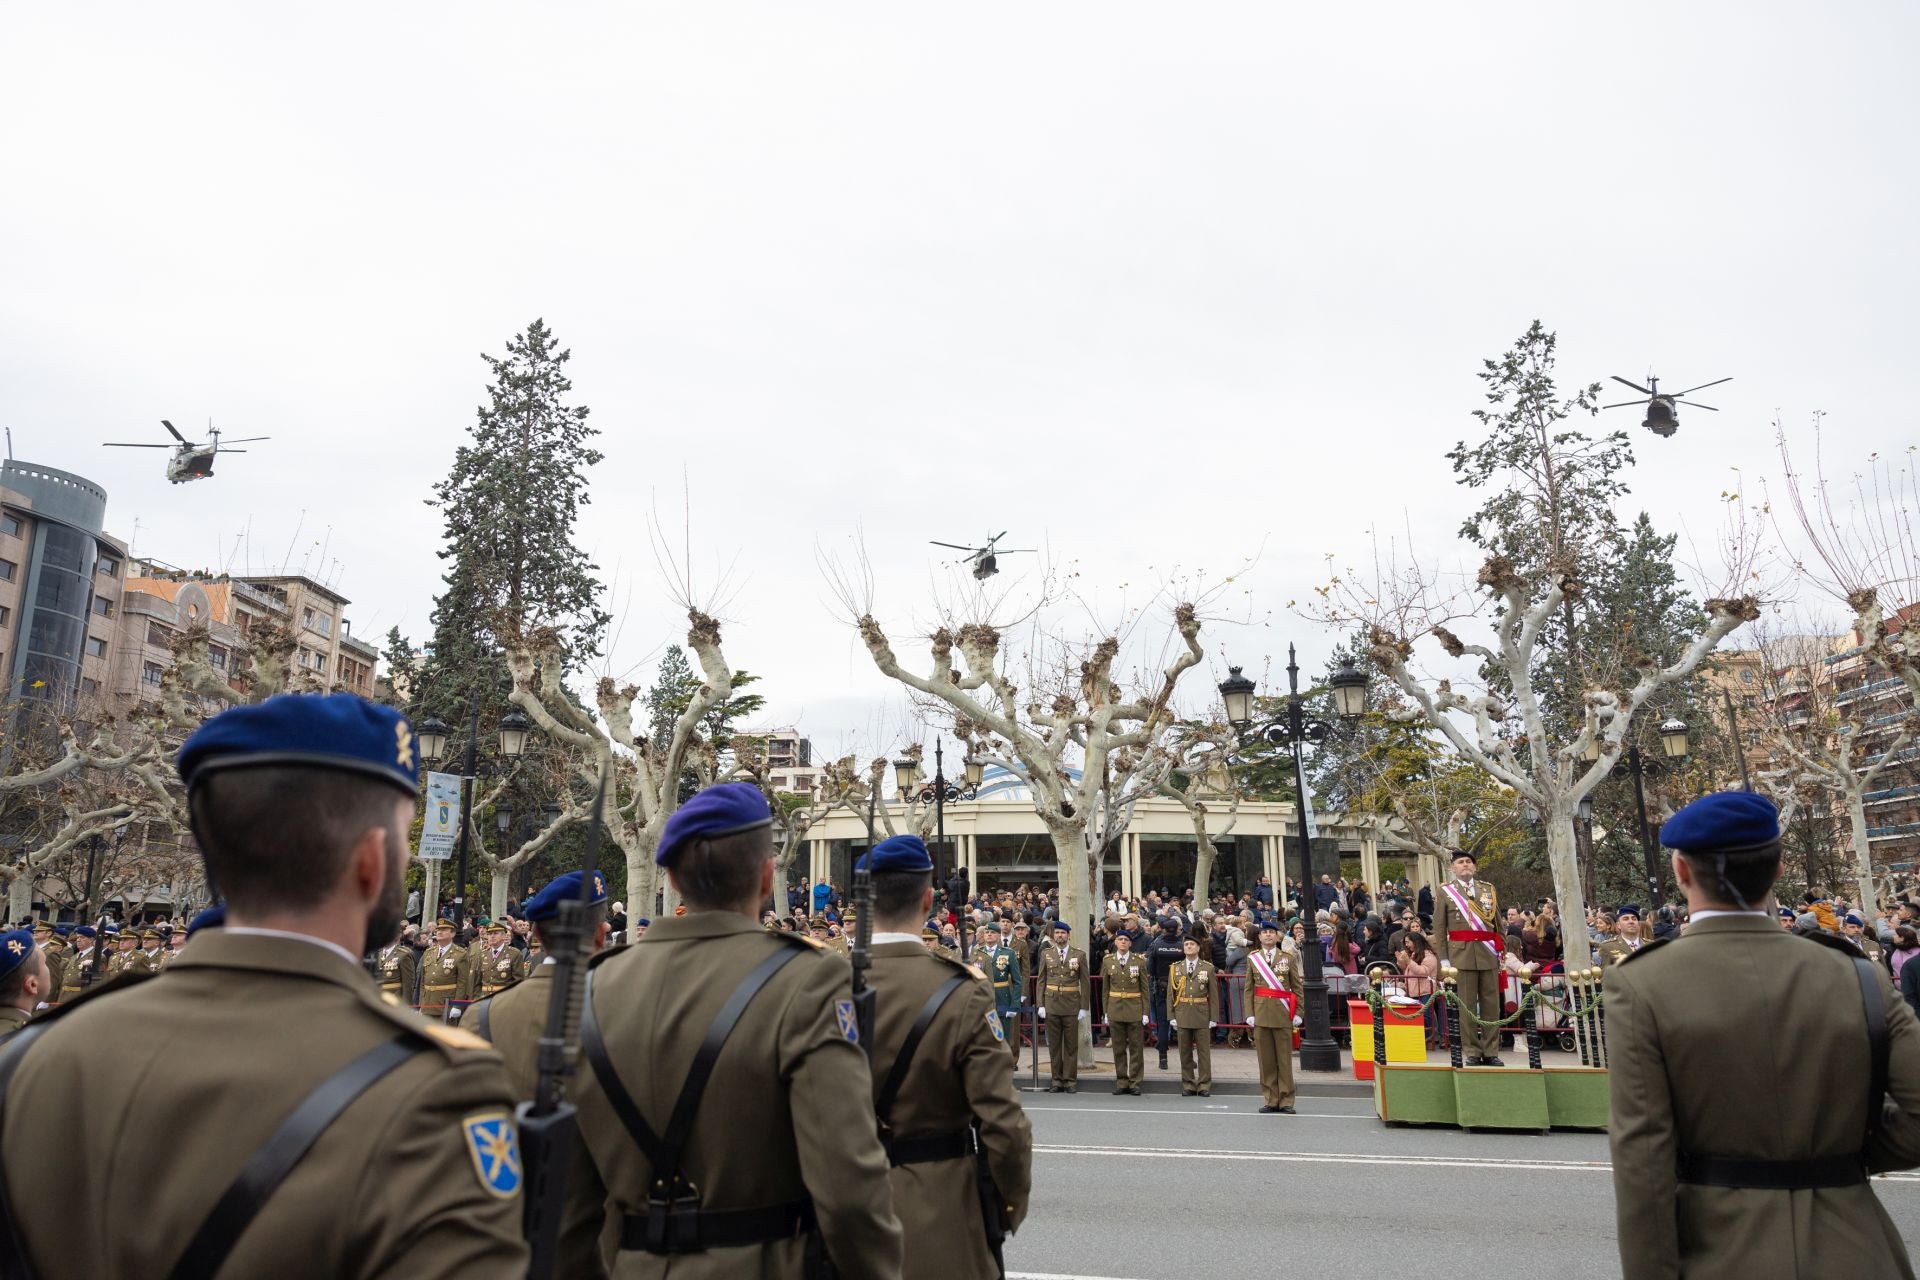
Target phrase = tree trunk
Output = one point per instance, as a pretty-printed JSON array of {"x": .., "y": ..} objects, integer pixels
[
  {"x": 1202, "y": 872},
  {"x": 430, "y": 900},
  {"x": 642, "y": 883},
  {"x": 1071, "y": 859},
  {"x": 498, "y": 900},
  {"x": 1564, "y": 858},
  {"x": 20, "y": 896},
  {"x": 1862, "y": 851}
]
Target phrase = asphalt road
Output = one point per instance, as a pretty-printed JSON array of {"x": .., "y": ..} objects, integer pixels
[{"x": 1144, "y": 1188}]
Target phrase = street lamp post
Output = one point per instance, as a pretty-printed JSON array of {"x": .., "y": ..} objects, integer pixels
[
  {"x": 432, "y": 739},
  {"x": 1292, "y": 728},
  {"x": 959, "y": 885},
  {"x": 1673, "y": 745}
]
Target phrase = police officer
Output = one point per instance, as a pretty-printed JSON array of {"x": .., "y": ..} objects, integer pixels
[
  {"x": 300, "y": 806},
  {"x": 24, "y": 980},
  {"x": 1123, "y": 977},
  {"x": 1064, "y": 983},
  {"x": 1466, "y": 932},
  {"x": 779, "y": 1160},
  {"x": 1008, "y": 979},
  {"x": 1193, "y": 1001},
  {"x": 942, "y": 1080},
  {"x": 1165, "y": 952},
  {"x": 513, "y": 1019},
  {"x": 1729, "y": 1158}
]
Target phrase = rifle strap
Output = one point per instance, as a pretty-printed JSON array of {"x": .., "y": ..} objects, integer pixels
[
  {"x": 897, "y": 1074},
  {"x": 1877, "y": 1038},
  {"x": 664, "y": 1153},
  {"x": 13, "y": 1249}
]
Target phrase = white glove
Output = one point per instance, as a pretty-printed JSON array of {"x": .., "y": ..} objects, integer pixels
[
  {"x": 453, "y": 1015},
  {"x": 1043, "y": 1011},
  {"x": 1144, "y": 1019},
  {"x": 1083, "y": 1015},
  {"x": 1212, "y": 1025},
  {"x": 1298, "y": 1020}
]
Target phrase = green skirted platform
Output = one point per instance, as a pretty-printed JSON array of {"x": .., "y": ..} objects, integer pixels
[{"x": 1492, "y": 1097}]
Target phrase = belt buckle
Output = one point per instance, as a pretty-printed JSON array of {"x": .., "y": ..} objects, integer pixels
[{"x": 663, "y": 1209}]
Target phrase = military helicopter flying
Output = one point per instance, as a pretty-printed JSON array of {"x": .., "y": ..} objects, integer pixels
[
  {"x": 984, "y": 559},
  {"x": 1663, "y": 409},
  {"x": 190, "y": 461}
]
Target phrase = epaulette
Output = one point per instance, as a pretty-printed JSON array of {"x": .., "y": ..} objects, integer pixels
[
  {"x": 447, "y": 1037},
  {"x": 1645, "y": 948},
  {"x": 454, "y": 1037},
  {"x": 947, "y": 957}
]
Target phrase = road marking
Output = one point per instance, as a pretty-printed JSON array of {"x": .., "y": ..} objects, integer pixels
[
  {"x": 1050, "y": 1275},
  {"x": 1183, "y": 1111},
  {"x": 1317, "y": 1157}
]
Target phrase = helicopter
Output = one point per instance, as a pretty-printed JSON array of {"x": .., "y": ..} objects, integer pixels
[
  {"x": 1663, "y": 410},
  {"x": 190, "y": 461},
  {"x": 984, "y": 559}
]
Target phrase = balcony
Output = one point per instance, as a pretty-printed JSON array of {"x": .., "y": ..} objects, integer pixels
[
  {"x": 1887, "y": 795},
  {"x": 1872, "y": 689},
  {"x": 1890, "y": 833}
]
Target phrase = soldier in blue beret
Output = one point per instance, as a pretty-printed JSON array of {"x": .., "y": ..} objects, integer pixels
[
  {"x": 782, "y": 1156},
  {"x": 1729, "y": 1158},
  {"x": 1063, "y": 996},
  {"x": 300, "y": 807},
  {"x": 24, "y": 984}
]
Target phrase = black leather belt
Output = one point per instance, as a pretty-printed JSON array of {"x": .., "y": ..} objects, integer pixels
[
  {"x": 1812, "y": 1174},
  {"x": 676, "y": 1227},
  {"x": 928, "y": 1149}
]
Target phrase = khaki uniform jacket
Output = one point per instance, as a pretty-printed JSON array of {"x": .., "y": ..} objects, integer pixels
[
  {"x": 399, "y": 972},
  {"x": 78, "y": 962},
  {"x": 499, "y": 969},
  {"x": 788, "y": 1111},
  {"x": 443, "y": 977},
  {"x": 1193, "y": 999},
  {"x": 57, "y": 964},
  {"x": 1742, "y": 1040},
  {"x": 240, "y": 1032},
  {"x": 515, "y": 1018},
  {"x": 1064, "y": 984},
  {"x": 1265, "y": 1011},
  {"x": 11, "y": 1020},
  {"x": 960, "y": 1071},
  {"x": 1447, "y": 919},
  {"x": 1125, "y": 981},
  {"x": 1613, "y": 950}
]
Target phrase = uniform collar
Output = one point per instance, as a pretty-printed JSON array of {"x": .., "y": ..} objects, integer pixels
[
  {"x": 1733, "y": 922},
  {"x": 272, "y": 951},
  {"x": 245, "y": 931},
  {"x": 700, "y": 924}
]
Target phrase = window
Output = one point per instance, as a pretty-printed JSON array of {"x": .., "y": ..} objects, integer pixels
[
  {"x": 6, "y": 615},
  {"x": 324, "y": 624},
  {"x": 89, "y": 685},
  {"x": 1746, "y": 676},
  {"x": 217, "y": 657},
  {"x": 152, "y": 673},
  {"x": 102, "y": 607},
  {"x": 7, "y": 569},
  {"x": 777, "y": 781},
  {"x": 159, "y": 635},
  {"x": 10, "y": 525},
  {"x": 96, "y": 647},
  {"x": 306, "y": 617},
  {"x": 1747, "y": 701},
  {"x": 107, "y": 567}
]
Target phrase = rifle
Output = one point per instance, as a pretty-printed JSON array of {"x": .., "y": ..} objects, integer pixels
[
  {"x": 549, "y": 1124},
  {"x": 860, "y": 952},
  {"x": 993, "y": 1208}
]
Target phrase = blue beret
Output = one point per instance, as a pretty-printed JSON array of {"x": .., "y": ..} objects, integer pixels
[
  {"x": 1062, "y": 926},
  {"x": 545, "y": 905},
  {"x": 898, "y": 853},
  {"x": 1723, "y": 822},
  {"x": 84, "y": 931},
  {"x": 15, "y": 947},
  {"x": 1629, "y": 910},
  {"x": 644, "y": 923},
  {"x": 212, "y": 918},
  {"x": 723, "y": 810},
  {"x": 62, "y": 930},
  {"x": 325, "y": 731},
  {"x": 113, "y": 930},
  {"x": 1854, "y": 919},
  {"x": 1786, "y": 913}
]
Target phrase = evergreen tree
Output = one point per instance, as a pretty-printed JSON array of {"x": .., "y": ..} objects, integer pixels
[
  {"x": 672, "y": 689},
  {"x": 400, "y": 681}
]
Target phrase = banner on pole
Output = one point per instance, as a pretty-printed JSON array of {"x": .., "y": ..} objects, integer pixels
[{"x": 441, "y": 825}]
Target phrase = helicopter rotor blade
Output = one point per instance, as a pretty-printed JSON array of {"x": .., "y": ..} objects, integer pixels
[
  {"x": 956, "y": 546},
  {"x": 170, "y": 430},
  {"x": 245, "y": 439},
  {"x": 1625, "y": 404},
  {"x": 224, "y": 449},
  {"x": 996, "y": 537},
  {"x": 1703, "y": 386},
  {"x": 1691, "y": 405},
  {"x": 116, "y": 444},
  {"x": 1015, "y": 551},
  {"x": 1636, "y": 386}
]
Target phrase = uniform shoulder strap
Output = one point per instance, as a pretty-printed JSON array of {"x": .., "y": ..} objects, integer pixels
[
  {"x": 13, "y": 1249},
  {"x": 481, "y": 1023},
  {"x": 1876, "y": 1006},
  {"x": 897, "y": 1074}
]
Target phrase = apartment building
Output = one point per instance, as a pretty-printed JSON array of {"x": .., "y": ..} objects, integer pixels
[
  {"x": 61, "y": 577},
  {"x": 325, "y": 647},
  {"x": 790, "y": 764}
]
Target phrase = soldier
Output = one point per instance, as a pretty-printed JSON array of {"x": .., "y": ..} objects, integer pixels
[
  {"x": 54, "y": 955},
  {"x": 500, "y": 966},
  {"x": 443, "y": 975},
  {"x": 300, "y": 806},
  {"x": 1729, "y": 1158},
  {"x": 781, "y": 1162},
  {"x": 1063, "y": 990},
  {"x": 150, "y": 950},
  {"x": 1464, "y": 913},
  {"x": 640, "y": 926},
  {"x": 1854, "y": 929},
  {"x": 1002, "y": 964},
  {"x": 1626, "y": 938},
  {"x": 942, "y": 1081},
  {"x": 176, "y": 943},
  {"x": 1123, "y": 977},
  {"x": 1193, "y": 1002},
  {"x": 85, "y": 954},
  {"x": 514, "y": 1018},
  {"x": 121, "y": 945},
  {"x": 24, "y": 983},
  {"x": 398, "y": 970},
  {"x": 1271, "y": 971}
]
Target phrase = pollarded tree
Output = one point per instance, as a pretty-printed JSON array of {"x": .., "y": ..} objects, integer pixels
[{"x": 1197, "y": 770}]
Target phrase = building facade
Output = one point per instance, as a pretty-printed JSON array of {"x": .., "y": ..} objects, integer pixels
[{"x": 61, "y": 577}]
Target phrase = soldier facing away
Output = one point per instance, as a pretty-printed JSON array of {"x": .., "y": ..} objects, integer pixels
[
  {"x": 943, "y": 1082},
  {"x": 24, "y": 981},
  {"x": 300, "y": 806},
  {"x": 1730, "y": 1157}
]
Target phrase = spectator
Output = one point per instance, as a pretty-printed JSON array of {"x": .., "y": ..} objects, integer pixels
[
  {"x": 1359, "y": 901},
  {"x": 1325, "y": 894},
  {"x": 1906, "y": 945},
  {"x": 1373, "y": 946},
  {"x": 822, "y": 895},
  {"x": 1343, "y": 953},
  {"x": 1263, "y": 892},
  {"x": 1910, "y": 985},
  {"x": 1540, "y": 941}
]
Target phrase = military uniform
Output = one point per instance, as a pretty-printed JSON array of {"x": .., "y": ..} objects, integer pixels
[
  {"x": 1193, "y": 1003},
  {"x": 499, "y": 968},
  {"x": 1463, "y": 943},
  {"x": 398, "y": 971},
  {"x": 1272, "y": 1021},
  {"x": 1062, "y": 996},
  {"x": 446, "y": 979},
  {"x": 1009, "y": 983},
  {"x": 1125, "y": 983},
  {"x": 78, "y": 964},
  {"x": 16, "y": 949},
  {"x": 55, "y": 955}
]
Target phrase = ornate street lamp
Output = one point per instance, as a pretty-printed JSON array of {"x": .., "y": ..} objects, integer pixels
[
  {"x": 514, "y": 728},
  {"x": 431, "y": 734}
]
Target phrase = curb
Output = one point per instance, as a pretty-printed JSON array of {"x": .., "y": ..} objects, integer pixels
[{"x": 1308, "y": 1087}]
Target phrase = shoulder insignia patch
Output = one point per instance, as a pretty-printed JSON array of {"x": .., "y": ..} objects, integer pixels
[
  {"x": 494, "y": 1145},
  {"x": 849, "y": 1025},
  {"x": 1644, "y": 949},
  {"x": 454, "y": 1037},
  {"x": 993, "y": 1025}
]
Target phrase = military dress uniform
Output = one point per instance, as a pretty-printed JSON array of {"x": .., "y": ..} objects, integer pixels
[
  {"x": 1008, "y": 981},
  {"x": 1273, "y": 1024},
  {"x": 954, "y": 1090},
  {"x": 1125, "y": 982},
  {"x": 499, "y": 968},
  {"x": 1463, "y": 943},
  {"x": 781, "y": 1158},
  {"x": 1193, "y": 1003},
  {"x": 79, "y": 963},
  {"x": 445, "y": 981},
  {"x": 55, "y": 954},
  {"x": 398, "y": 971},
  {"x": 1062, "y": 997},
  {"x": 1731, "y": 1158},
  {"x": 1615, "y": 947}
]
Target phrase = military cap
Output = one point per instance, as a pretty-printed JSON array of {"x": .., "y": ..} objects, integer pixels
[
  {"x": 1458, "y": 854},
  {"x": 1269, "y": 926},
  {"x": 929, "y": 935},
  {"x": 1786, "y": 913},
  {"x": 818, "y": 922},
  {"x": 15, "y": 947},
  {"x": 496, "y": 926},
  {"x": 63, "y": 930},
  {"x": 990, "y": 927},
  {"x": 212, "y": 918},
  {"x": 444, "y": 923},
  {"x": 150, "y": 933},
  {"x": 898, "y": 853},
  {"x": 113, "y": 930},
  {"x": 1061, "y": 926},
  {"x": 43, "y": 926},
  {"x": 545, "y": 905},
  {"x": 325, "y": 731},
  {"x": 1628, "y": 910},
  {"x": 1724, "y": 822},
  {"x": 84, "y": 931},
  {"x": 725, "y": 809}
]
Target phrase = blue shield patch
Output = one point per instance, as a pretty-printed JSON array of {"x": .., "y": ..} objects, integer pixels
[
  {"x": 494, "y": 1144},
  {"x": 849, "y": 1025},
  {"x": 993, "y": 1025}
]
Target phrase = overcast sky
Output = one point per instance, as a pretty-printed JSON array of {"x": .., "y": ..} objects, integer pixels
[{"x": 1146, "y": 285}]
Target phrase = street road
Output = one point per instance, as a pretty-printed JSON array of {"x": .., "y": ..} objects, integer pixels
[{"x": 1143, "y": 1188}]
